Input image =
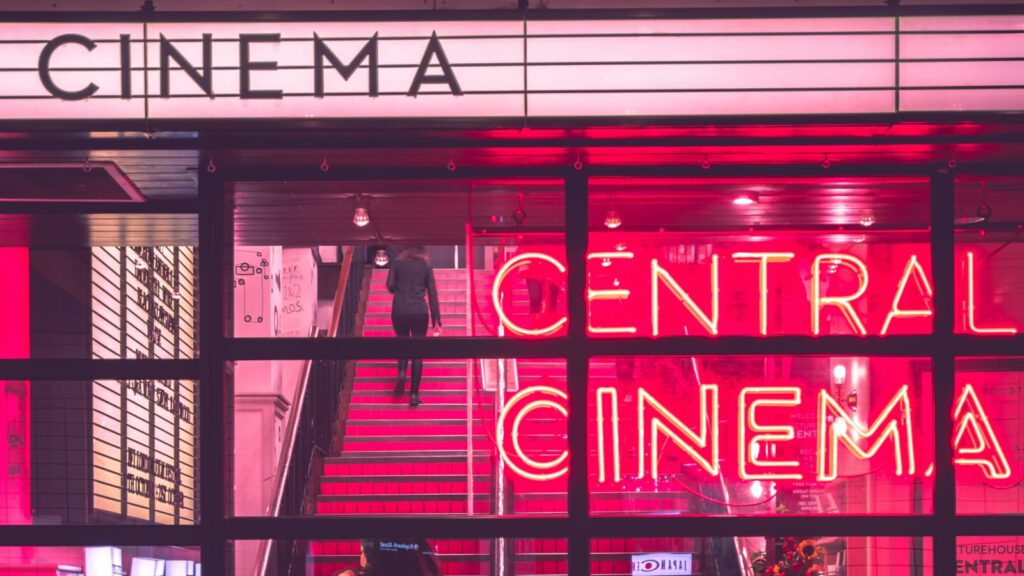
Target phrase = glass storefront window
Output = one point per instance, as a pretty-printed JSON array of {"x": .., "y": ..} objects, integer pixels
[
  {"x": 100, "y": 287},
  {"x": 989, "y": 554},
  {"x": 801, "y": 554},
  {"x": 988, "y": 422},
  {"x": 101, "y": 560},
  {"x": 989, "y": 252},
  {"x": 100, "y": 452},
  {"x": 463, "y": 450},
  {"x": 410, "y": 556},
  {"x": 471, "y": 234},
  {"x": 710, "y": 257}
]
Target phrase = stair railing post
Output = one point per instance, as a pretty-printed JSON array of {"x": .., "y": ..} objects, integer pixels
[{"x": 469, "y": 369}]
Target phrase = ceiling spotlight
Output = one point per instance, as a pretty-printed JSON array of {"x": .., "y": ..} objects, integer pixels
[
  {"x": 983, "y": 212},
  {"x": 612, "y": 220},
  {"x": 621, "y": 246},
  {"x": 867, "y": 221},
  {"x": 361, "y": 217},
  {"x": 381, "y": 259},
  {"x": 519, "y": 214},
  {"x": 745, "y": 200},
  {"x": 606, "y": 262},
  {"x": 981, "y": 216}
]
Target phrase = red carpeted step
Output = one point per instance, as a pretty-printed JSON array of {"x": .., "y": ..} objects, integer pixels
[{"x": 402, "y": 428}]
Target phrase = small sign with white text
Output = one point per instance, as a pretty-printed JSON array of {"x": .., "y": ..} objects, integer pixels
[{"x": 662, "y": 564}]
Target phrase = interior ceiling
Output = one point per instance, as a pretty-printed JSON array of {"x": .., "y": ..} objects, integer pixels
[
  {"x": 56, "y": 182},
  {"x": 403, "y": 211},
  {"x": 426, "y": 212},
  {"x": 159, "y": 175}
]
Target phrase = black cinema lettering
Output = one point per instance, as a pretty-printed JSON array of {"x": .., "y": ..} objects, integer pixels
[{"x": 201, "y": 71}]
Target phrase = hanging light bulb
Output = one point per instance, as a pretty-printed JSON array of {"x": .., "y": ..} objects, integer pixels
[
  {"x": 982, "y": 214},
  {"x": 839, "y": 374},
  {"x": 757, "y": 489},
  {"x": 745, "y": 200},
  {"x": 176, "y": 295},
  {"x": 381, "y": 259},
  {"x": 361, "y": 217},
  {"x": 606, "y": 262},
  {"x": 867, "y": 221},
  {"x": 612, "y": 220}
]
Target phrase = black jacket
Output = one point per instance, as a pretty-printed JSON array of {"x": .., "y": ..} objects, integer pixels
[{"x": 411, "y": 281}]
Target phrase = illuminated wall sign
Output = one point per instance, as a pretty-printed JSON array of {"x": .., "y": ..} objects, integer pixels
[
  {"x": 762, "y": 418},
  {"x": 662, "y": 564},
  {"x": 741, "y": 292},
  {"x": 144, "y": 431},
  {"x": 508, "y": 69}
]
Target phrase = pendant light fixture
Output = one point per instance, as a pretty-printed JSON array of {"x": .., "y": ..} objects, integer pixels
[
  {"x": 361, "y": 217},
  {"x": 982, "y": 214},
  {"x": 612, "y": 220},
  {"x": 381, "y": 259}
]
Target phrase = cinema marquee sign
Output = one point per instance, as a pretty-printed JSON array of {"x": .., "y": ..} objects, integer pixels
[{"x": 507, "y": 69}]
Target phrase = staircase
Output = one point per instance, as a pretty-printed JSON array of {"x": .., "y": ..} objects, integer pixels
[
  {"x": 395, "y": 459},
  {"x": 392, "y": 459}
]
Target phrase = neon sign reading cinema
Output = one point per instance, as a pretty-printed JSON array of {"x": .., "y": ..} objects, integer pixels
[
  {"x": 888, "y": 434},
  {"x": 759, "y": 416}
]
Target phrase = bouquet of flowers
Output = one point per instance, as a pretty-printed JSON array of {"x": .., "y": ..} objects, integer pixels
[{"x": 798, "y": 559}]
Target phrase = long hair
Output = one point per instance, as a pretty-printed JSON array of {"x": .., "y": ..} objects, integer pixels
[{"x": 414, "y": 252}]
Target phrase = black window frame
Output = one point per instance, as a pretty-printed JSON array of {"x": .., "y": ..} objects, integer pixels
[{"x": 216, "y": 528}]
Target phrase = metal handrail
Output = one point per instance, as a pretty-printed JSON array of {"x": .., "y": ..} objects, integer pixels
[{"x": 285, "y": 459}]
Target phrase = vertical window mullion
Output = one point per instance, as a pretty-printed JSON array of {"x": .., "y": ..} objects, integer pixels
[
  {"x": 213, "y": 254},
  {"x": 576, "y": 215},
  {"x": 943, "y": 370}
]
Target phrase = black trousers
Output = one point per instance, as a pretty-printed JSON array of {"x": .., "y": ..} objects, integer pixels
[
  {"x": 540, "y": 300},
  {"x": 406, "y": 326}
]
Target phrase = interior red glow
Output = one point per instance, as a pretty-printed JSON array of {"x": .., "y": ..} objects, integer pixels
[
  {"x": 762, "y": 259},
  {"x": 895, "y": 423},
  {"x": 912, "y": 270},
  {"x": 496, "y": 293},
  {"x": 974, "y": 441},
  {"x": 659, "y": 274},
  {"x": 747, "y": 456},
  {"x": 819, "y": 301},
  {"x": 972, "y": 323},
  {"x": 531, "y": 399}
]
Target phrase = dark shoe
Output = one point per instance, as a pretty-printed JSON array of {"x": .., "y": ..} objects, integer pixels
[
  {"x": 403, "y": 365},
  {"x": 414, "y": 400}
]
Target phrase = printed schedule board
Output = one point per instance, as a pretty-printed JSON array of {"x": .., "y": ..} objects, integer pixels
[
  {"x": 510, "y": 68},
  {"x": 144, "y": 434}
]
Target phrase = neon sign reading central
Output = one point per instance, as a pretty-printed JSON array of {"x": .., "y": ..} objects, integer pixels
[
  {"x": 762, "y": 419},
  {"x": 829, "y": 292}
]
